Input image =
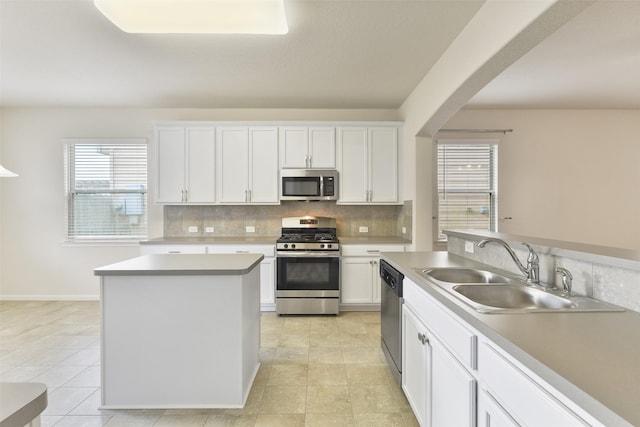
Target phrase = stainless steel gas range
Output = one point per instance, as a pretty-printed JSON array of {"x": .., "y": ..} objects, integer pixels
[{"x": 308, "y": 266}]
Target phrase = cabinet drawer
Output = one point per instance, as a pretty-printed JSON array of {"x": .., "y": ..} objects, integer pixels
[
  {"x": 266, "y": 250},
  {"x": 460, "y": 340},
  {"x": 369, "y": 250},
  {"x": 525, "y": 400}
]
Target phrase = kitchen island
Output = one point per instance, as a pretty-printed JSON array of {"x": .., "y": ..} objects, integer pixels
[{"x": 179, "y": 330}]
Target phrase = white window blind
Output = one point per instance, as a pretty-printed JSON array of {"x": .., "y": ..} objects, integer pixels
[
  {"x": 467, "y": 186},
  {"x": 106, "y": 189}
]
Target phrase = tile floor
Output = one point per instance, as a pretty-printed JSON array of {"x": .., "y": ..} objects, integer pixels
[{"x": 316, "y": 371}]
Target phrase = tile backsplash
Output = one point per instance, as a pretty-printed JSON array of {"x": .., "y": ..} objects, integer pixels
[
  {"x": 231, "y": 221},
  {"x": 612, "y": 284}
]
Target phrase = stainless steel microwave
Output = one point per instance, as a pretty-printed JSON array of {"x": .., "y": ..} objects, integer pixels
[{"x": 308, "y": 184}]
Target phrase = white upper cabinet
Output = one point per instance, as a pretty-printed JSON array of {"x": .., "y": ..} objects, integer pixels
[
  {"x": 308, "y": 147},
  {"x": 239, "y": 163},
  {"x": 247, "y": 165},
  {"x": 368, "y": 165},
  {"x": 263, "y": 168},
  {"x": 185, "y": 165},
  {"x": 383, "y": 165}
]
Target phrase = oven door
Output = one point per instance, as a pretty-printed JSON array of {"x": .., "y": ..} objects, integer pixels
[{"x": 308, "y": 274}]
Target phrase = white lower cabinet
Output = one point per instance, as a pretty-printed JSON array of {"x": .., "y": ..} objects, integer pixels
[
  {"x": 453, "y": 397},
  {"x": 267, "y": 266},
  {"x": 491, "y": 414},
  {"x": 360, "y": 273},
  {"x": 416, "y": 364},
  {"x": 523, "y": 399},
  {"x": 267, "y": 269},
  {"x": 454, "y": 376},
  {"x": 439, "y": 389}
]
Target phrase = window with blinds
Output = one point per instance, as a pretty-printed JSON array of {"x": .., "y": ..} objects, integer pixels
[
  {"x": 467, "y": 186},
  {"x": 106, "y": 189}
]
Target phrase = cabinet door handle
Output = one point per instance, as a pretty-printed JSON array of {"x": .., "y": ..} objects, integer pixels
[
  {"x": 242, "y": 252},
  {"x": 373, "y": 251},
  {"x": 249, "y": 191},
  {"x": 423, "y": 338}
]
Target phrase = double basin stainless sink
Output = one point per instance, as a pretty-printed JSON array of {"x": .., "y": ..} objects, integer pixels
[{"x": 488, "y": 292}]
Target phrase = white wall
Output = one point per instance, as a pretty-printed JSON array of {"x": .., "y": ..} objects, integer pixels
[
  {"x": 571, "y": 175},
  {"x": 499, "y": 34},
  {"x": 34, "y": 261}
]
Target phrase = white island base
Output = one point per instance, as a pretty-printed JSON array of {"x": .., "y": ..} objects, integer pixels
[{"x": 179, "y": 338}]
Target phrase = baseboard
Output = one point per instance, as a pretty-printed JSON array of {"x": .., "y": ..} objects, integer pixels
[{"x": 49, "y": 297}]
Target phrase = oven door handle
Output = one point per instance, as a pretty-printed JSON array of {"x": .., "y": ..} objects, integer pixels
[{"x": 308, "y": 254}]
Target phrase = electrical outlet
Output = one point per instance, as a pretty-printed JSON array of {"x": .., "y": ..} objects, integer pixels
[
  {"x": 250, "y": 229},
  {"x": 363, "y": 229},
  {"x": 193, "y": 229},
  {"x": 208, "y": 229},
  {"x": 404, "y": 230},
  {"x": 468, "y": 247}
]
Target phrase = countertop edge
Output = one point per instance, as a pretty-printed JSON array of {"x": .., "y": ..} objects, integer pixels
[
  {"x": 170, "y": 265},
  {"x": 22, "y": 414},
  {"x": 268, "y": 240},
  {"x": 580, "y": 397}
]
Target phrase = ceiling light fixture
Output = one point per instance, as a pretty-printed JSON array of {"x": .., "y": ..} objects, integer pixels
[
  {"x": 5, "y": 173},
  {"x": 196, "y": 16}
]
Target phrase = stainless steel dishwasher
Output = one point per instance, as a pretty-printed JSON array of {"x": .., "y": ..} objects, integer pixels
[{"x": 391, "y": 318}]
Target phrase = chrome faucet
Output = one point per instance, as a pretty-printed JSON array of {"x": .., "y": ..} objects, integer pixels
[{"x": 531, "y": 271}]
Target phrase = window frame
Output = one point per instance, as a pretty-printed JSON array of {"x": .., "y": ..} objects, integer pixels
[
  {"x": 70, "y": 192},
  {"x": 493, "y": 192}
]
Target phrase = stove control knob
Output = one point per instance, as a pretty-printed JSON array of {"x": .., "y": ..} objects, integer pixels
[
  {"x": 329, "y": 246},
  {"x": 293, "y": 246},
  {"x": 321, "y": 245}
]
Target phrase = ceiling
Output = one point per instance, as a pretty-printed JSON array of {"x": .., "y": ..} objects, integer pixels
[
  {"x": 338, "y": 54},
  {"x": 593, "y": 61}
]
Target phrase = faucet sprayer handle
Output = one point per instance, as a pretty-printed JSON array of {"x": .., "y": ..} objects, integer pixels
[
  {"x": 533, "y": 256},
  {"x": 567, "y": 279}
]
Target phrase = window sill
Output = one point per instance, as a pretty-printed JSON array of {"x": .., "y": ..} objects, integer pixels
[{"x": 103, "y": 243}]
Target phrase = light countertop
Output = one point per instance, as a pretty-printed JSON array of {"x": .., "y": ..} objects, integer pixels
[
  {"x": 234, "y": 240},
  {"x": 592, "y": 358},
  {"x": 183, "y": 265},
  {"x": 267, "y": 240},
  {"x": 372, "y": 240}
]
